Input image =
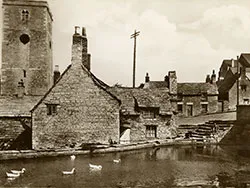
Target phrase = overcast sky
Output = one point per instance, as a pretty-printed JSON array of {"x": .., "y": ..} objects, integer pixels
[{"x": 189, "y": 36}]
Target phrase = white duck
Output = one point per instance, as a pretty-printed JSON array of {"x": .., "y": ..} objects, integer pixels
[
  {"x": 69, "y": 172},
  {"x": 117, "y": 160},
  {"x": 95, "y": 167},
  {"x": 72, "y": 157},
  {"x": 12, "y": 175},
  {"x": 18, "y": 171}
]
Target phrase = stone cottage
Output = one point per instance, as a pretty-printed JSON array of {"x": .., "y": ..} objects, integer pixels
[
  {"x": 77, "y": 109},
  {"x": 146, "y": 114},
  {"x": 197, "y": 98},
  {"x": 231, "y": 72}
]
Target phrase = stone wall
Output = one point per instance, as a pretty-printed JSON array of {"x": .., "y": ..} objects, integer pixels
[
  {"x": 86, "y": 113},
  {"x": 165, "y": 126},
  {"x": 33, "y": 57},
  {"x": 195, "y": 101},
  {"x": 242, "y": 95}
]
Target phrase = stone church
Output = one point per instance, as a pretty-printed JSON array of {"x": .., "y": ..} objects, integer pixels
[{"x": 41, "y": 109}]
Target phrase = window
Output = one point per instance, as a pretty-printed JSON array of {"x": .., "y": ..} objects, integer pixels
[
  {"x": 180, "y": 108},
  {"x": 204, "y": 108},
  {"x": 51, "y": 109},
  {"x": 149, "y": 113},
  {"x": 243, "y": 87},
  {"x": 25, "y": 15},
  {"x": 150, "y": 131},
  {"x": 24, "y": 73},
  {"x": 246, "y": 101},
  {"x": 24, "y": 38}
]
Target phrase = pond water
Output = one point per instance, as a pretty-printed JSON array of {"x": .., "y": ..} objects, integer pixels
[{"x": 204, "y": 166}]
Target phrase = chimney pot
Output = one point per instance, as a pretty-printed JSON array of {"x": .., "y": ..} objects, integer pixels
[
  {"x": 77, "y": 30},
  {"x": 84, "y": 31}
]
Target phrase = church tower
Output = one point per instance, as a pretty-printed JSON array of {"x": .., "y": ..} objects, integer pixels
[{"x": 26, "y": 47}]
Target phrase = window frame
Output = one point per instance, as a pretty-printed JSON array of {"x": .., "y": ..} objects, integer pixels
[{"x": 151, "y": 131}]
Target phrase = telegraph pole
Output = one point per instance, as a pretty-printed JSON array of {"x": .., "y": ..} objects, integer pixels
[{"x": 136, "y": 33}]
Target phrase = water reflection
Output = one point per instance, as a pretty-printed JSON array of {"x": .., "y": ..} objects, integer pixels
[{"x": 189, "y": 166}]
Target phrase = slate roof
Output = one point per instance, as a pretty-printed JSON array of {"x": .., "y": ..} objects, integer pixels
[
  {"x": 11, "y": 106},
  {"x": 196, "y": 88},
  {"x": 143, "y": 98},
  {"x": 156, "y": 84}
]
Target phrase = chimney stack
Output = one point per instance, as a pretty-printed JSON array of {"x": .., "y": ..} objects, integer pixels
[
  {"x": 233, "y": 64},
  {"x": 80, "y": 54},
  {"x": 172, "y": 82},
  {"x": 57, "y": 73},
  {"x": 20, "y": 89},
  {"x": 147, "y": 79},
  {"x": 213, "y": 78},
  {"x": 208, "y": 80}
]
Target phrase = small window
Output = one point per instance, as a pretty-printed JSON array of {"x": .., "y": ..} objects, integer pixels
[
  {"x": 25, "y": 15},
  {"x": 243, "y": 87},
  {"x": 51, "y": 109},
  {"x": 203, "y": 108},
  {"x": 151, "y": 131},
  {"x": 149, "y": 114},
  {"x": 24, "y": 38},
  {"x": 180, "y": 108},
  {"x": 246, "y": 101},
  {"x": 24, "y": 73},
  {"x": 179, "y": 96}
]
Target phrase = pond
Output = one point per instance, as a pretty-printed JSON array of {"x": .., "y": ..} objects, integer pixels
[{"x": 183, "y": 166}]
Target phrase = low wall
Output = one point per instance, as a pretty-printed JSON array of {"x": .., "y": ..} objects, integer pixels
[{"x": 196, "y": 120}]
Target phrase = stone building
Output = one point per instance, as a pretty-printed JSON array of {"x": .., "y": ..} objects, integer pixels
[
  {"x": 197, "y": 98},
  {"x": 146, "y": 114},
  {"x": 78, "y": 109},
  {"x": 26, "y": 69},
  {"x": 231, "y": 72}
]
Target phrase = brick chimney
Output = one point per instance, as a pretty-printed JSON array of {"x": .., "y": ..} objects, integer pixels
[
  {"x": 80, "y": 48},
  {"x": 147, "y": 79},
  {"x": 20, "y": 89},
  {"x": 172, "y": 82},
  {"x": 57, "y": 73}
]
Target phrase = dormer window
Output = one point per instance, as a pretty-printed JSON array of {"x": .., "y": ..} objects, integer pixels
[{"x": 25, "y": 15}]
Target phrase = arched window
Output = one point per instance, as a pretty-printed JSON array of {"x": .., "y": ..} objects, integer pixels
[{"x": 25, "y": 15}]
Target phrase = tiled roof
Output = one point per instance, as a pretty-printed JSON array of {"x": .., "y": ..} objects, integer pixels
[
  {"x": 196, "y": 88},
  {"x": 156, "y": 84},
  {"x": 143, "y": 98},
  {"x": 229, "y": 80},
  {"x": 11, "y": 106}
]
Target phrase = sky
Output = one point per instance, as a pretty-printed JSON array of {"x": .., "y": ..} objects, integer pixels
[{"x": 191, "y": 37}]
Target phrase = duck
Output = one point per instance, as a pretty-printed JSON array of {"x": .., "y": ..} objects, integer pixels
[
  {"x": 12, "y": 175},
  {"x": 117, "y": 160},
  {"x": 95, "y": 167},
  {"x": 69, "y": 172},
  {"x": 72, "y": 157},
  {"x": 18, "y": 171}
]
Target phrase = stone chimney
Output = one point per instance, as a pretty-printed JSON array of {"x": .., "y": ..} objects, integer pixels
[
  {"x": 208, "y": 80},
  {"x": 80, "y": 48},
  {"x": 172, "y": 82},
  {"x": 147, "y": 79},
  {"x": 233, "y": 63},
  {"x": 213, "y": 77},
  {"x": 20, "y": 89},
  {"x": 57, "y": 73}
]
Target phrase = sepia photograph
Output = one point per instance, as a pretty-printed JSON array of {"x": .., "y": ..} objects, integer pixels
[{"x": 125, "y": 93}]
